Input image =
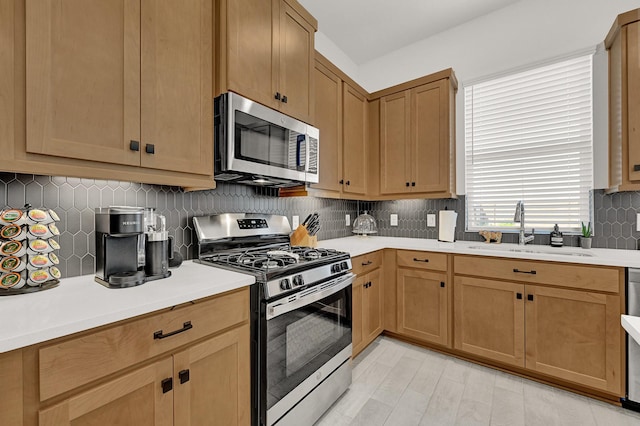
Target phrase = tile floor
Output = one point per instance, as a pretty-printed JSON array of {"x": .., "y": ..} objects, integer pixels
[{"x": 398, "y": 384}]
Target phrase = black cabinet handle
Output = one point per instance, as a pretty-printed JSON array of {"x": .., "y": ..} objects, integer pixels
[
  {"x": 413, "y": 184},
  {"x": 415, "y": 259},
  {"x": 277, "y": 96},
  {"x": 530, "y": 297},
  {"x": 341, "y": 181},
  {"x": 150, "y": 148},
  {"x": 636, "y": 167},
  {"x": 167, "y": 385},
  {"x": 367, "y": 263},
  {"x": 284, "y": 99},
  {"x": 406, "y": 183},
  {"x": 348, "y": 182},
  {"x": 441, "y": 283},
  {"x": 134, "y": 146},
  {"x": 183, "y": 376},
  {"x": 518, "y": 296},
  {"x": 532, "y": 272},
  {"x": 160, "y": 335}
]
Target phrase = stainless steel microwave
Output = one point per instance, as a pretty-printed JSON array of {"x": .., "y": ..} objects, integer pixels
[{"x": 257, "y": 145}]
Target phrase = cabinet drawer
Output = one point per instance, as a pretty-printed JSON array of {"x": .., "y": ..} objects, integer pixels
[
  {"x": 366, "y": 262},
  {"x": 582, "y": 277},
  {"x": 71, "y": 363},
  {"x": 422, "y": 260}
]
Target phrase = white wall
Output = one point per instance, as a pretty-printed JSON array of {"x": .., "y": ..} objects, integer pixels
[{"x": 525, "y": 33}]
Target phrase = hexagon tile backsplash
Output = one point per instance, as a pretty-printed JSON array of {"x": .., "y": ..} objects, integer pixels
[{"x": 75, "y": 200}]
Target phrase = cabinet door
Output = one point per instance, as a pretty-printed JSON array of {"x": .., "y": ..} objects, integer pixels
[
  {"x": 136, "y": 398},
  {"x": 422, "y": 305},
  {"x": 356, "y": 313},
  {"x": 575, "y": 336},
  {"x": 296, "y": 64},
  {"x": 354, "y": 140},
  {"x": 395, "y": 176},
  {"x": 489, "y": 319},
  {"x": 429, "y": 157},
  {"x": 372, "y": 306},
  {"x": 83, "y": 79},
  {"x": 177, "y": 110},
  {"x": 328, "y": 118},
  {"x": 633, "y": 99},
  {"x": 213, "y": 380},
  {"x": 249, "y": 62}
]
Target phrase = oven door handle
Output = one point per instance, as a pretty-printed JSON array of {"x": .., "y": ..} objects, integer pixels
[{"x": 278, "y": 309}]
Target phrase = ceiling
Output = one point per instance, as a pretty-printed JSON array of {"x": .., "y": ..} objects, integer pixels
[{"x": 368, "y": 29}]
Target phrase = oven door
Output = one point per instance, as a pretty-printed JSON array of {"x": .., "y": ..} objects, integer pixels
[{"x": 308, "y": 336}]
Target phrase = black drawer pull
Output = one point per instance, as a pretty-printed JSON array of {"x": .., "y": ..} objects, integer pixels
[
  {"x": 532, "y": 272},
  {"x": 284, "y": 99},
  {"x": 160, "y": 335},
  {"x": 367, "y": 263},
  {"x": 134, "y": 146},
  {"x": 442, "y": 284},
  {"x": 348, "y": 182},
  {"x": 407, "y": 183},
  {"x": 277, "y": 96},
  {"x": 413, "y": 184},
  {"x": 415, "y": 259},
  {"x": 183, "y": 376},
  {"x": 167, "y": 385},
  {"x": 530, "y": 297},
  {"x": 519, "y": 296},
  {"x": 636, "y": 167},
  {"x": 341, "y": 181},
  {"x": 150, "y": 148}
]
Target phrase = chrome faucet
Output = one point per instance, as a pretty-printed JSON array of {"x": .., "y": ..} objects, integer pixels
[{"x": 519, "y": 217}]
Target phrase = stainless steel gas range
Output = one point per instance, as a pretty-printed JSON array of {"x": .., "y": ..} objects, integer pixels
[{"x": 300, "y": 314}]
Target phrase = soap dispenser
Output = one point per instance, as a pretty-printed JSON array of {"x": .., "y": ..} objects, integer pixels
[{"x": 556, "y": 237}]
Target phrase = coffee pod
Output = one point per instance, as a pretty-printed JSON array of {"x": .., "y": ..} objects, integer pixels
[
  {"x": 54, "y": 244},
  {"x": 13, "y": 248},
  {"x": 13, "y": 232},
  {"x": 54, "y": 216},
  {"x": 12, "y": 264},
  {"x": 38, "y": 277},
  {"x": 13, "y": 216},
  {"x": 39, "y": 261},
  {"x": 39, "y": 246},
  {"x": 54, "y": 230},
  {"x": 38, "y": 216},
  {"x": 55, "y": 272},
  {"x": 11, "y": 280},
  {"x": 39, "y": 231}
]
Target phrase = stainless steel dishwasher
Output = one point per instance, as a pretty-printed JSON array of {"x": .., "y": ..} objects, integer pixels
[{"x": 632, "y": 400}]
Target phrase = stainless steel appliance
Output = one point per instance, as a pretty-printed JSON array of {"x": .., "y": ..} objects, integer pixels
[
  {"x": 118, "y": 233},
  {"x": 632, "y": 399},
  {"x": 259, "y": 146},
  {"x": 301, "y": 314}
]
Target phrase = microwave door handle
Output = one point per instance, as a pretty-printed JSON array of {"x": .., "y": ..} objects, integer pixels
[
  {"x": 307, "y": 140},
  {"x": 299, "y": 143}
]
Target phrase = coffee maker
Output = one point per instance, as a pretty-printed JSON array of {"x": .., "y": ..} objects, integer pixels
[
  {"x": 158, "y": 247},
  {"x": 119, "y": 231}
]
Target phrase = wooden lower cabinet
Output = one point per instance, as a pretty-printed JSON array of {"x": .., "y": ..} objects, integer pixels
[
  {"x": 367, "y": 310},
  {"x": 489, "y": 319},
  {"x": 422, "y": 305},
  {"x": 571, "y": 335},
  {"x": 574, "y": 336}
]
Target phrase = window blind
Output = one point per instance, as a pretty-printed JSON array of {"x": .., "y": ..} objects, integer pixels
[{"x": 528, "y": 136}]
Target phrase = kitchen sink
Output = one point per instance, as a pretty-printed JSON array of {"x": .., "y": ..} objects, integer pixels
[{"x": 531, "y": 249}]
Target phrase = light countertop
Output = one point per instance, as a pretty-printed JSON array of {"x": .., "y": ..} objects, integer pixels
[
  {"x": 632, "y": 325},
  {"x": 80, "y": 303},
  {"x": 358, "y": 245}
]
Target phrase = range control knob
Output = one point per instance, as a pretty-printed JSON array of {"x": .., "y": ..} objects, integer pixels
[
  {"x": 285, "y": 284},
  {"x": 298, "y": 281},
  {"x": 344, "y": 265},
  {"x": 335, "y": 268}
]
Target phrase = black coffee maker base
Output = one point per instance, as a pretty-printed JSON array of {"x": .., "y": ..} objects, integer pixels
[
  {"x": 123, "y": 279},
  {"x": 158, "y": 277}
]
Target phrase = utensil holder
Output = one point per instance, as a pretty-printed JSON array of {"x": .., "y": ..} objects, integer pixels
[{"x": 300, "y": 237}]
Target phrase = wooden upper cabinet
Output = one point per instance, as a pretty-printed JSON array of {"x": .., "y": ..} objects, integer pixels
[
  {"x": 176, "y": 104},
  {"x": 354, "y": 140},
  {"x": 328, "y": 118},
  {"x": 83, "y": 79},
  {"x": 121, "y": 82},
  {"x": 266, "y": 53},
  {"x": 623, "y": 43},
  {"x": 417, "y": 141},
  {"x": 395, "y": 146}
]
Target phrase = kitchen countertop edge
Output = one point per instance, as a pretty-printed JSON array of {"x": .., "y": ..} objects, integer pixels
[{"x": 80, "y": 304}]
